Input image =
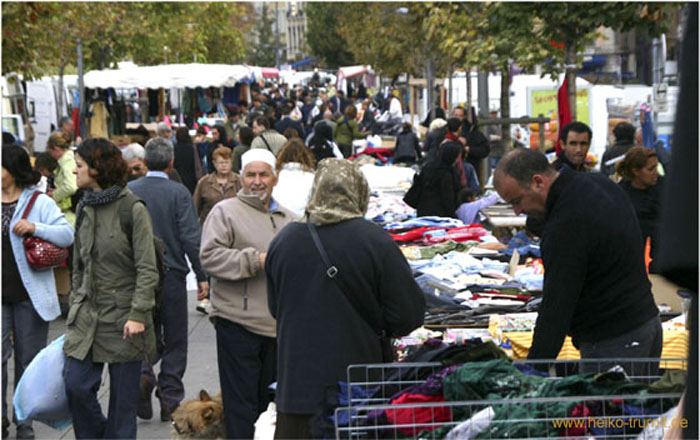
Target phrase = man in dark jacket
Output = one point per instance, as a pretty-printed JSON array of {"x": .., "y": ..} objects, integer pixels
[
  {"x": 378, "y": 295},
  {"x": 576, "y": 140},
  {"x": 187, "y": 162},
  {"x": 595, "y": 288},
  {"x": 624, "y": 140},
  {"x": 175, "y": 222},
  {"x": 338, "y": 102},
  {"x": 286, "y": 120}
]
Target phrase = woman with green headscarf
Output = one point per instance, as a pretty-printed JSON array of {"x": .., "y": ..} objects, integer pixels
[{"x": 325, "y": 324}]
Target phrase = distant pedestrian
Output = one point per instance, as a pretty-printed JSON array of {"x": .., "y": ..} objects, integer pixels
[
  {"x": 266, "y": 137},
  {"x": 187, "y": 161},
  {"x": 58, "y": 147}
]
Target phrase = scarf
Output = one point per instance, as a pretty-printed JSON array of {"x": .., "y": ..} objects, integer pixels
[
  {"x": 96, "y": 198},
  {"x": 339, "y": 192}
]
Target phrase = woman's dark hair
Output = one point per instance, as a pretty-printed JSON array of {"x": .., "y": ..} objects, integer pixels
[
  {"x": 182, "y": 135},
  {"x": 322, "y": 133},
  {"x": 290, "y": 133},
  {"x": 202, "y": 130},
  {"x": 624, "y": 133},
  {"x": 406, "y": 127},
  {"x": 449, "y": 152},
  {"x": 635, "y": 159},
  {"x": 16, "y": 161},
  {"x": 221, "y": 130},
  {"x": 246, "y": 136},
  {"x": 295, "y": 151},
  {"x": 351, "y": 112},
  {"x": 466, "y": 195},
  {"x": 103, "y": 156},
  {"x": 453, "y": 124}
]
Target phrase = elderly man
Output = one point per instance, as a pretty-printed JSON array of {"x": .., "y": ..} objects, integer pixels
[
  {"x": 266, "y": 137},
  {"x": 595, "y": 288},
  {"x": 66, "y": 125},
  {"x": 235, "y": 238},
  {"x": 135, "y": 157},
  {"x": 175, "y": 222}
]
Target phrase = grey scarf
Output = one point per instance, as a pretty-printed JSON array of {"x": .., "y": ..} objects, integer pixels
[{"x": 96, "y": 198}]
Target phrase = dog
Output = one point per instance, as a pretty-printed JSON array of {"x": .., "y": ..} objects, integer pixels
[{"x": 200, "y": 418}]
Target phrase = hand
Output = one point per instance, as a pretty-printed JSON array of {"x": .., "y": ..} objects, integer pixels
[
  {"x": 78, "y": 140},
  {"x": 24, "y": 228},
  {"x": 132, "y": 328},
  {"x": 262, "y": 256},
  {"x": 202, "y": 290}
]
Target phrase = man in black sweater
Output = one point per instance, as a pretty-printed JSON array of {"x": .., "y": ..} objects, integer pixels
[
  {"x": 595, "y": 286},
  {"x": 576, "y": 140},
  {"x": 175, "y": 222}
]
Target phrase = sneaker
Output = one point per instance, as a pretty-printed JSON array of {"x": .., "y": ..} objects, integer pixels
[
  {"x": 25, "y": 432},
  {"x": 203, "y": 306},
  {"x": 145, "y": 407}
]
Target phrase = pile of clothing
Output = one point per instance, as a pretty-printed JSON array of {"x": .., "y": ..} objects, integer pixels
[{"x": 388, "y": 208}]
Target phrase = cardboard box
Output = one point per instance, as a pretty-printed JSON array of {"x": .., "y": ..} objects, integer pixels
[{"x": 388, "y": 142}]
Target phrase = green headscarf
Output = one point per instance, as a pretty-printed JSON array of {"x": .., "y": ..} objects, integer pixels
[{"x": 339, "y": 192}]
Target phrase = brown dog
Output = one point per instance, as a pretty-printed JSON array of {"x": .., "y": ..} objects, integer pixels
[{"x": 200, "y": 418}]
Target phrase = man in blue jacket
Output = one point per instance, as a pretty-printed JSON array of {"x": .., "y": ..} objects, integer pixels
[{"x": 175, "y": 222}]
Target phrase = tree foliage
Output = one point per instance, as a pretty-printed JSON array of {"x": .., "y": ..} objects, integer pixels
[
  {"x": 322, "y": 34},
  {"x": 263, "y": 54},
  {"x": 40, "y": 38}
]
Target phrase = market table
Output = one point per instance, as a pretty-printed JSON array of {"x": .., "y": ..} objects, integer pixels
[{"x": 675, "y": 343}]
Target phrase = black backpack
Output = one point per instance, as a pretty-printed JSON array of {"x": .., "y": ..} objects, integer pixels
[{"x": 126, "y": 220}]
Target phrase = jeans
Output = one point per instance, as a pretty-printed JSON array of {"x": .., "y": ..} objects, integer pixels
[
  {"x": 472, "y": 179},
  {"x": 82, "y": 379},
  {"x": 172, "y": 341},
  {"x": 646, "y": 341},
  {"x": 24, "y": 331},
  {"x": 247, "y": 367}
]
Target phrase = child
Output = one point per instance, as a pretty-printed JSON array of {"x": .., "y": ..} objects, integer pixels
[
  {"x": 46, "y": 165},
  {"x": 469, "y": 205}
]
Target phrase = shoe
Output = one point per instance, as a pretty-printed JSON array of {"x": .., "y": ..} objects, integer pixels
[
  {"x": 25, "y": 432},
  {"x": 166, "y": 415},
  {"x": 145, "y": 408},
  {"x": 203, "y": 306}
]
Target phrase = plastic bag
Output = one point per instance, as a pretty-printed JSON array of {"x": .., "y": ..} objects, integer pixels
[{"x": 41, "y": 392}]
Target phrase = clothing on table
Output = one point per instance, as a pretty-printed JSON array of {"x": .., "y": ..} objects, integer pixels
[
  {"x": 209, "y": 192},
  {"x": 595, "y": 286}
]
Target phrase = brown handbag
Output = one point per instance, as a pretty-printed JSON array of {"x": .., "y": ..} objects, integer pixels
[{"x": 42, "y": 254}]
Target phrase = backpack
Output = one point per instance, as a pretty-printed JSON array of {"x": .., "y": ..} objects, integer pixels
[{"x": 126, "y": 220}]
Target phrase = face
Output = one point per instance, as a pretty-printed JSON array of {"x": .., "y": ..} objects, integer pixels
[
  {"x": 137, "y": 168},
  {"x": 7, "y": 179},
  {"x": 223, "y": 166},
  {"x": 530, "y": 200},
  {"x": 576, "y": 147},
  {"x": 54, "y": 152},
  {"x": 259, "y": 179},
  {"x": 257, "y": 128},
  {"x": 84, "y": 175},
  {"x": 215, "y": 135},
  {"x": 648, "y": 175},
  {"x": 68, "y": 127},
  {"x": 458, "y": 113}
]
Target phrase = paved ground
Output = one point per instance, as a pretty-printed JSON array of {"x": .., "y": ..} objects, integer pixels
[{"x": 201, "y": 373}]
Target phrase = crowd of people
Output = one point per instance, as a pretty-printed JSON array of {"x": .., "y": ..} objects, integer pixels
[{"x": 257, "y": 205}]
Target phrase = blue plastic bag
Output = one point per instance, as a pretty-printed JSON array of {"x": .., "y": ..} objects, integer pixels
[{"x": 41, "y": 393}]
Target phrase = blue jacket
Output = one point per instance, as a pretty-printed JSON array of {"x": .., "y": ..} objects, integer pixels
[
  {"x": 51, "y": 225},
  {"x": 174, "y": 219}
]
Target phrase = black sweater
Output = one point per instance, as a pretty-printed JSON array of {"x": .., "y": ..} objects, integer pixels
[
  {"x": 595, "y": 285},
  {"x": 647, "y": 205},
  {"x": 319, "y": 333}
]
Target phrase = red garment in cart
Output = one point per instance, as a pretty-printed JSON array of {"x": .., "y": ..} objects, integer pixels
[
  {"x": 462, "y": 233},
  {"x": 417, "y": 419}
]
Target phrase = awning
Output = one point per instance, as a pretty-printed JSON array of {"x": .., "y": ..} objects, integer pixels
[
  {"x": 170, "y": 76},
  {"x": 270, "y": 72},
  {"x": 305, "y": 61},
  {"x": 352, "y": 71}
]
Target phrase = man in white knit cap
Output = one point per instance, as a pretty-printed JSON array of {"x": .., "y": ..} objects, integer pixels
[{"x": 235, "y": 238}]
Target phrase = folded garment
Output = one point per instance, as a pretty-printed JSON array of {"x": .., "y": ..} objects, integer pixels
[{"x": 427, "y": 221}]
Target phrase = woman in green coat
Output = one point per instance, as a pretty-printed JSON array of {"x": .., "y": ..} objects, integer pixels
[
  {"x": 346, "y": 130},
  {"x": 114, "y": 277}
]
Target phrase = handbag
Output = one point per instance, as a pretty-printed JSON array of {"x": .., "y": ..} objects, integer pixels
[
  {"x": 42, "y": 254},
  {"x": 332, "y": 273}
]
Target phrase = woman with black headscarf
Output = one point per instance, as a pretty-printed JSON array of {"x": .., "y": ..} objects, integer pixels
[
  {"x": 438, "y": 196},
  {"x": 372, "y": 292},
  {"x": 322, "y": 145}
]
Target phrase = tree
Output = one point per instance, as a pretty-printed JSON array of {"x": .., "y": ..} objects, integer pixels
[
  {"x": 264, "y": 50},
  {"x": 322, "y": 34}
]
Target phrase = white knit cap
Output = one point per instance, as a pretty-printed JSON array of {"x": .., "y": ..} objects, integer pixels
[{"x": 258, "y": 155}]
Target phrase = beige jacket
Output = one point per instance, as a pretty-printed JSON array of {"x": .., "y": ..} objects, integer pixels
[{"x": 234, "y": 234}]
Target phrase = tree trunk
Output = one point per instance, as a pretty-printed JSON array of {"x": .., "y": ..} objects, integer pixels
[
  {"x": 469, "y": 87},
  {"x": 505, "y": 102},
  {"x": 61, "y": 69},
  {"x": 571, "y": 76},
  {"x": 449, "y": 89}
]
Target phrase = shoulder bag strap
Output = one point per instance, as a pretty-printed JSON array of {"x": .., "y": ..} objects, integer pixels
[
  {"x": 332, "y": 273},
  {"x": 266, "y": 144},
  {"x": 30, "y": 205}
]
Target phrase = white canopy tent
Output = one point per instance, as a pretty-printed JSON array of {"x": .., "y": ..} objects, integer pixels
[{"x": 170, "y": 76}]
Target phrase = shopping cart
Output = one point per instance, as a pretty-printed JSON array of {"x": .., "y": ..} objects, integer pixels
[{"x": 368, "y": 414}]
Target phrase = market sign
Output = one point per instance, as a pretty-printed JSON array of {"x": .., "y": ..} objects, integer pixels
[{"x": 544, "y": 102}]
